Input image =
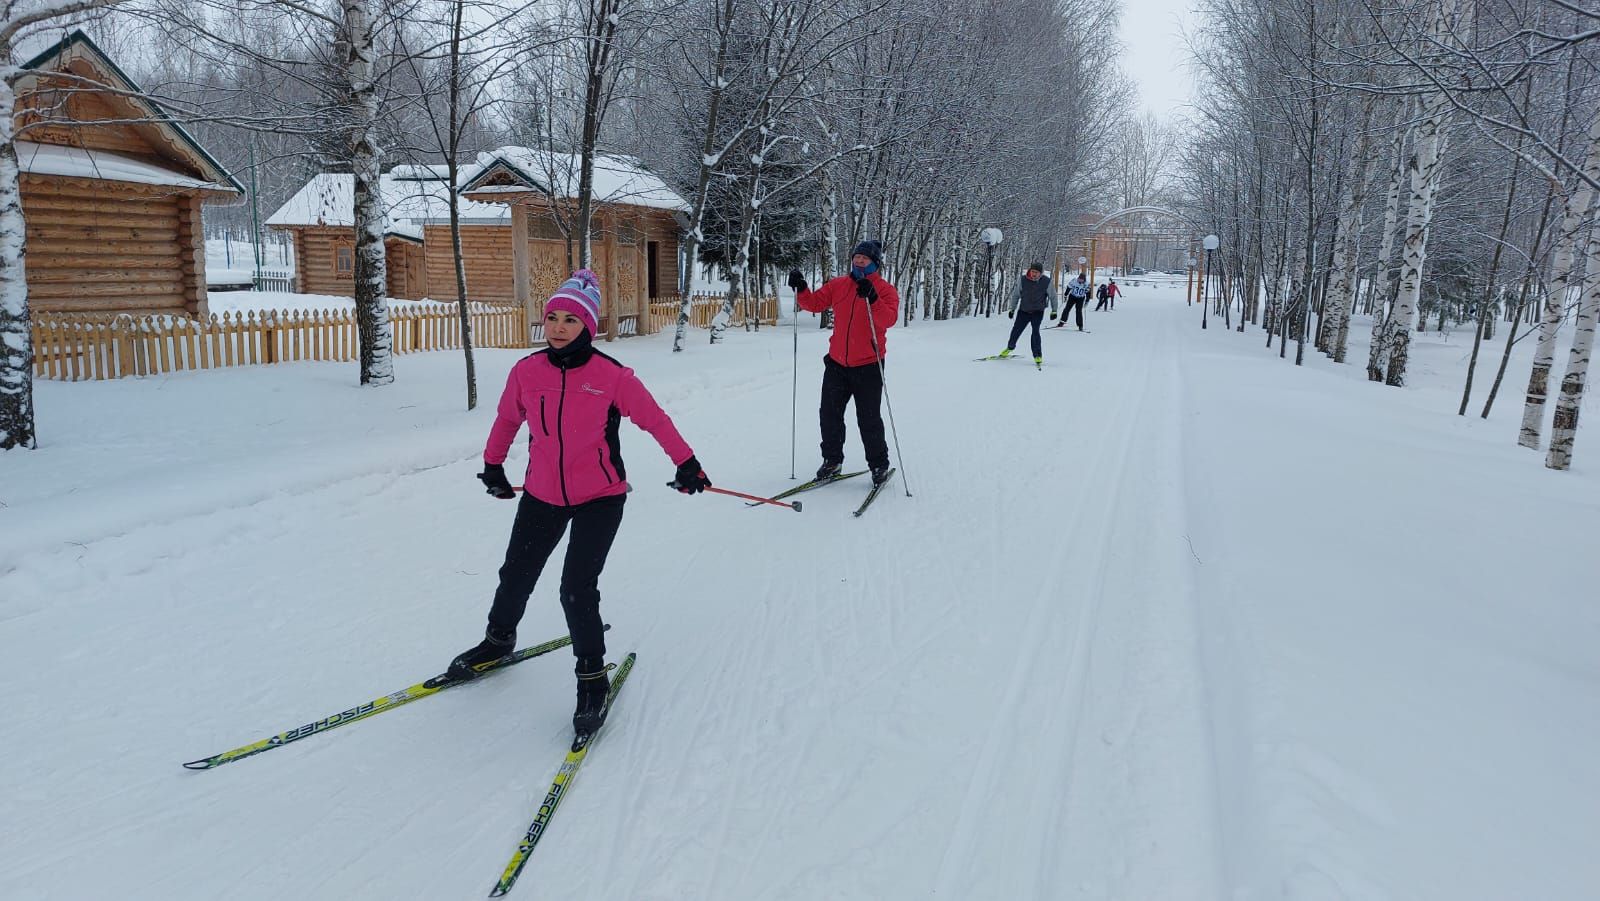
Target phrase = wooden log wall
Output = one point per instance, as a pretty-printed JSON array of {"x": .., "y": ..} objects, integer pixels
[
  {"x": 486, "y": 249},
  {"x": 314, "y": 261},
  {"x": 101, "y": 247}
]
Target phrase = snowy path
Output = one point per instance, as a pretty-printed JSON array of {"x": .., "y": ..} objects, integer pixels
[{"x": 1084, "y": 661}]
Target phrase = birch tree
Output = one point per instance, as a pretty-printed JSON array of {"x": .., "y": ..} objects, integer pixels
[
  {"x": 1564, "y": 428},
  {"x": 17, "y": 426},
  {"x": 1569, "y": 236}
]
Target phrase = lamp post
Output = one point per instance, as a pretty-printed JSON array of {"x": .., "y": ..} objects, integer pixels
[
  {"x": 990, "y": 237},
  {"x": 1188, "y": 285},
  {"x": 1210, "y": 243}
]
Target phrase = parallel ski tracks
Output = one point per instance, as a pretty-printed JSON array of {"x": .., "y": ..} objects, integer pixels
[{"x": 1045, "y": 632}]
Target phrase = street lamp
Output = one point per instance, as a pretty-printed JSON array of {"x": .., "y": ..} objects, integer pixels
[
  {"x": 1210, "y": 243},
  {"x": 1189, "y": 263},
  {"x": 990, "y": 237}
]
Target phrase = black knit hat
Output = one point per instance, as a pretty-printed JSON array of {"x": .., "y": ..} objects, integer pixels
[{"x": 872, "y": 250}]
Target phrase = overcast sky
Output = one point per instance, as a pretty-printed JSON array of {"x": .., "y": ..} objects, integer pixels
[{"x": 1153, "y": 53}]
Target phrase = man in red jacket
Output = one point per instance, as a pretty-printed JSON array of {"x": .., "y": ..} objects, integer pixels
[{"x": 864, "y": 306}]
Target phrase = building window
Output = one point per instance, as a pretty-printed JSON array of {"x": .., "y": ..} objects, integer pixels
[
  {"x": 344, "y": 259},
  {"x": 652, "y": 261}
]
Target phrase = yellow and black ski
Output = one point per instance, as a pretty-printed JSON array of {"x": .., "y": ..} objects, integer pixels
[
  {"x": 373, "y": 707},
  {"x": 558, "y": 788}
]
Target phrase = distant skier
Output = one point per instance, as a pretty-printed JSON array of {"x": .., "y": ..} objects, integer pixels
[
  {"x": 1077, "y": 295},
  {"x": 1107, "y": 294},
  {"x": 572, "y": 398},
  {"x": 1027, "y": 307},
  {"x": 864, "y": 305}
]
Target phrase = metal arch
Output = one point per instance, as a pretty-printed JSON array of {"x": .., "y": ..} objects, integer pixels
[{"x": 1145, "y": 209}]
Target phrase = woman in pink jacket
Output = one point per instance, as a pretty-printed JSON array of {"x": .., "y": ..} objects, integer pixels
[{"x": 573, "y": 398}]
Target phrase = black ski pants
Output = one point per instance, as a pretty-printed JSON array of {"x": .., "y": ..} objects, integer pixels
[
  {"x": 1102, "y": 304},
  {"x": 1023, "y": 321},
  {"x": 864, "y": 384},
  {"x": 1074, "y": 303},
  {"x": 535, "y": 534}
]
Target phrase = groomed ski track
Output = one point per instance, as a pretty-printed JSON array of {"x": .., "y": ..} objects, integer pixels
[{"x": 1006, "y": 686}]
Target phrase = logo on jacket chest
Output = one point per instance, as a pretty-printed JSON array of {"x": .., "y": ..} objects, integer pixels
[{"x": 587, "y": 388}]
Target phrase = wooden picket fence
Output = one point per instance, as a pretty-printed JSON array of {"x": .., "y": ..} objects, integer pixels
[
  {"x": 78, "y": 347},
  {"x": 83, "y": 346},
  {"x": 703, "y": 308}
]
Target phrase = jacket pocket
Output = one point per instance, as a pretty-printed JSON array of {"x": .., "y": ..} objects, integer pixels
[
  {"x": 600, "y": 457},
  {"x": 542, "y": 425}
]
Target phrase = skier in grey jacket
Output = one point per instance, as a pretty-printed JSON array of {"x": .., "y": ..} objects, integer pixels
[{"x": 1027, "y": 307}]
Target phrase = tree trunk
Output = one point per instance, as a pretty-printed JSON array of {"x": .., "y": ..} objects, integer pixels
[
  {"x": 1423, "y": 169},
  {"x": 16, "y": 333},
  {"x": 1378, "y": 354},
  {"x": 1563, "y": 267},
  {"x": 1564, "y": 425},
  {"x": 371, "y": 282},
  {"x": 707, "y": 164},
  {"x": 1347, "y": 239},
  {"x": 1514, "y": 316},
  {"x": 452, "y": 169}
]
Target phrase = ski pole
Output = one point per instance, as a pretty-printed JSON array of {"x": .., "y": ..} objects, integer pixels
[
  {"x": 749, "y": 497},
  {"x": 794, "y": 386},
  {"x": 904, "y": 482}
]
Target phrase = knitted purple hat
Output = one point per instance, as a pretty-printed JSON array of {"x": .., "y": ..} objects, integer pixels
[{"x": 580, "y": 296}]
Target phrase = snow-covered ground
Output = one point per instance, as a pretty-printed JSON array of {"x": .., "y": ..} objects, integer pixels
[{"x": 1171, "y": 619}]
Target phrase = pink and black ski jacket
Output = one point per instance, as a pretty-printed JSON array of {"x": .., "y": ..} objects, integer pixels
[{"x": 574, "y": 453}]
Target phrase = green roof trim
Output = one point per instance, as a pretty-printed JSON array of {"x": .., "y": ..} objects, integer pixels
[{"x": 476, "y": 180}]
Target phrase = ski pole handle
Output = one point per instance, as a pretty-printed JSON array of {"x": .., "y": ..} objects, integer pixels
[{"x": 749, "y": 497}]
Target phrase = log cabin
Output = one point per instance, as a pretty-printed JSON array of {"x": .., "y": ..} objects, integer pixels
[
  {"x": 112, "y": 190},
  {"x": 513, "y": 245},
  {"x": 634, "y": 233},
  {"x": 320, "y": 218}
]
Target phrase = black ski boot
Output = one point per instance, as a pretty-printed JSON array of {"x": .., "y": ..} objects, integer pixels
[
  {"x": 593, "y": 686},
  {"x": 880, "y": 474},
  {"x": 495, "y": 645},
  {"x": 828, "y": 471}
]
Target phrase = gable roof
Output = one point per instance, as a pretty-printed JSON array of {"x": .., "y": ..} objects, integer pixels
[
  {"x": 409, "y": 203},
  {"x": 617, "y": 179},
  {"x": 77, "y": 54}
]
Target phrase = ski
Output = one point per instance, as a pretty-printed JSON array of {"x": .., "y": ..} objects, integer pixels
[
  {"x": 873, "y": 494},
  {"x": 558, "y": 789},
  {"x": 998, "y": 357},
  {"x": 814, "y": 483},
  {"x": 373, "y": 707}
]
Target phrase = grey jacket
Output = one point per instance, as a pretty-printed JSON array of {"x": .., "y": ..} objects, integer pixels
[{"x": 1031, "y": 296}]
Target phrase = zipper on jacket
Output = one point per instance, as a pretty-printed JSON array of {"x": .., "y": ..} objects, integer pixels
[
  {"x": 600, "y": 457},
  {"x": 849, "y": 332},
  {"x": 542, "y": 424},
  {"x": 561, "y": 440}
]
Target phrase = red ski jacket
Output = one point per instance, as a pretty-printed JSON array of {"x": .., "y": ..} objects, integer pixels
[{"x": 853, "y": 338}]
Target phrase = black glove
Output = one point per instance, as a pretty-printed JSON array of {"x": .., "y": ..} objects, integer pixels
[
  {"x": 797, "y": 281},
  {"x": 866, "y": 290},
  {"x": 493, "y": 478},
  {"x": 1010, "y": 313},
  {"x": 691, "y": 479},
  {"x": 1052, "y": 314}
]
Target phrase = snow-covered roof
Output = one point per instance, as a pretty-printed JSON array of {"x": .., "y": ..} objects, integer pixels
[
  {"x": 79, "y": 56},
  {"x": 329, "y": 199},
  {"x": 617, "y": 179},
  {"x": 76, "y": 162},
  {"x": 421, "y": 173},
  {"x": 53, "y": 159}
]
